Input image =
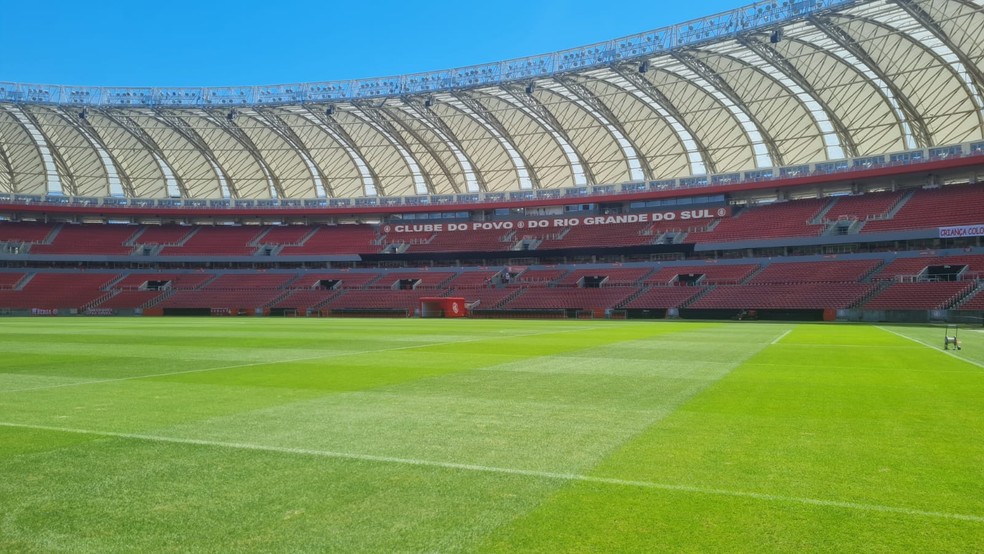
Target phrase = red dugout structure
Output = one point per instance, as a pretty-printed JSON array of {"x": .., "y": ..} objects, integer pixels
[{"x": 442, "y": 307}]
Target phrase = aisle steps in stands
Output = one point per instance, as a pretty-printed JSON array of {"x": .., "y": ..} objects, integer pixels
[{"x": 973, "y": 301}]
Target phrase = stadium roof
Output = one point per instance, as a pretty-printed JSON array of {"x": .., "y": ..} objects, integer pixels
[{"x": 772, "y": 84}]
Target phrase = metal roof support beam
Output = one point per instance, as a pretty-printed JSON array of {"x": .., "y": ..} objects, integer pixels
[
  {"x": 7, "y": 167},
  {"x": 378, "y": 120},
  {"x": 118, "y": 179},
  {"x": 51, "y": 160},
  {"x": 752, "y": 126},
  {"x": 227, "y": 187},
  {"x": 973, "y": 77},
  {"x": 448, "y": 174},
  {"x": 777, "y": 60},
  {"x": 910, "y": 121},
  {"x": 229, "y": 126},
  {"x": 474, "y": 182},
  {"x": 525, "y": 101},
  {"x": 478, "y": 112},
  {"x": 371, "y": 184},
  {"x": 639, "y": 168},
  {"x": 322, "y": 185},
  {"x": 173, "y": 183},
  {"x": 642, "y": 88}
]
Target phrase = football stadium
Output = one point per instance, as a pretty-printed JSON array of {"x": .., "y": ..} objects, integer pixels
[{"x": 713, "y": 287}]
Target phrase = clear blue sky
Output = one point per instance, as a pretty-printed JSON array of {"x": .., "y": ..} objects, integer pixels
[{"x": 205, "y": 43}]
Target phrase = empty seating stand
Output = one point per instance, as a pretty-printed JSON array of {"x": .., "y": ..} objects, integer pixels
[
  {"x": 337, "y": 239},
  {"x": 919, "y": 296},
  {"x": 928, "y": 208},
  {"x": 708, "y": 273},
  {"x": 773, "y": 221},
  {"x": 89, "y": 239},
  {"x": 216, "y": 240},
  {"x": 805, "y": 272},
  {"x": 784, "y": 296},
  {"x": 63, "y": 291}
]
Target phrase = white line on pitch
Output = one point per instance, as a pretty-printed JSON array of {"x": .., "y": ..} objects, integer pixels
[
  {"x": 926, "y": 344},
  {"x": 509, "y": 471},
  {"x": 292, "y": 360},
  {"x": 782, "y": 336}
]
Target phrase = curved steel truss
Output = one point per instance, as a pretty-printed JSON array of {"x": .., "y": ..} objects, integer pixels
[{"x": 830, "y": 80}]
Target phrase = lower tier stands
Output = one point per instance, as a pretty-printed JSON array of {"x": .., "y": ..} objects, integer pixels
[
  {"x": 708, "y": 273},
  {"x": 663, "y": 298},
  {"x": 55, "y": 291},
  {"x": 889, "y": 282},
  {"x": 799, "y": 272},
  {"x": 975, "y": 302},
  {"x": 784, "y": 296},
  {"x": 570, "y": 298},
  {"x": 919, "y": 296}
]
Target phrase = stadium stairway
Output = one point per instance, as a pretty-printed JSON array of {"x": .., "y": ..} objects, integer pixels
[
  {"x": 820, "y": 216},
  {"x": 696, "y": 298},
  {"x": 974, "y": 299},
  {"x": 877, "y": 289}
]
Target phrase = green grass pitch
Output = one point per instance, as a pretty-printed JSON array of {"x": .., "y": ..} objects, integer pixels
[{"x": 352, "y": 435}]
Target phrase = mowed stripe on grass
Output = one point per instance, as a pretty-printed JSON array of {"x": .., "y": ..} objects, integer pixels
[{"x": 578, "y": 435}]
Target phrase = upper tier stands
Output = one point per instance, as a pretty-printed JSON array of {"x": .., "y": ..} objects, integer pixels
[
  {"x": 209, "y": 240},
  {"x": 337, "y": 239},
  {"x": 292, "y": 235},
  {"x": 89, "y": 239},
  {"x": 927, "y": 208},
  {"x": 584, "y": 236},
  {"x": 478, "y": 240},
  {"x": 779, "y": 220},
  {"x": 864, "y": 206},
  {"x": 163, "y": 234},
  {"x": 924, "y": 209},
  {"x": 24, "y": 232}
]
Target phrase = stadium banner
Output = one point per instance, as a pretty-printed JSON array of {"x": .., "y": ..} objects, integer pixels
[
  {"x": 668, "y": 217},
  {"x": 962, "y": 231}
]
